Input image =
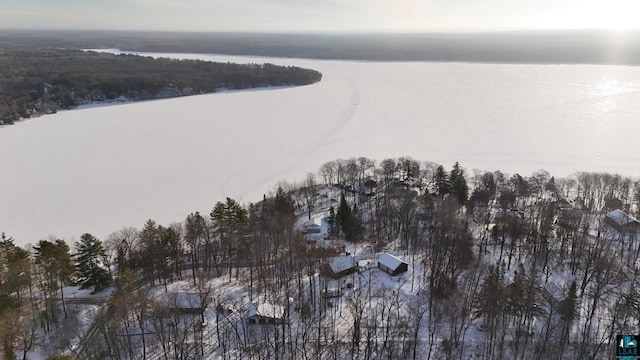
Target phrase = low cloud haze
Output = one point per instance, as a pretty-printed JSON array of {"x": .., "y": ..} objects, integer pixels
[{"x": 318, "y": 16}]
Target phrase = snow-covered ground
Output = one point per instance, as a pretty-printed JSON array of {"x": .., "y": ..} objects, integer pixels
[
  {"x": 77, "y": 294},
  {"x": 99, "y": 169},
  {"x": 369, "y": 282}
]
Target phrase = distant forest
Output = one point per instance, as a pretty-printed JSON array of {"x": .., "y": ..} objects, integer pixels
[
  {"x": 540, "y": 47},
  {"x": 35, "y": 82}
]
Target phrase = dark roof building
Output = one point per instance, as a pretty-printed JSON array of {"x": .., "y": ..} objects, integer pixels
[{"x": 391, "y": 264}]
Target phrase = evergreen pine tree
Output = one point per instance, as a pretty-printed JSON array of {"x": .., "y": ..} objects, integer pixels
[
  {"x": 229, "y": 218},
  {"x": 15, "y": 269},
  {"x": 55, "y": 260},
  {"x": 283, "y": 203},
  {"x": 343, "y": 214},
  {"x": 57, "y": 268},
  {"x": 172, "y": 252},
  {"x": 347, "y": 221},
  {"x": 533, "y": 294},
  {"x": 90, "y": 256},
  {"x": 458, "y": 184},
  {"x": 442, "y": 181},
  {"x": 516, "y": 292},
  {"x": 331, "y": 221},
  {"x": 489, "y": 304},
  {"x": 150, "y": 257},
  {"x": 568, "y": 306},
  {"x": 489, "y": 301}
]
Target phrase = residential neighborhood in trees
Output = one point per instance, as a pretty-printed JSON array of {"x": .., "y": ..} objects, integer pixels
[{"x": 397, "y": 259}]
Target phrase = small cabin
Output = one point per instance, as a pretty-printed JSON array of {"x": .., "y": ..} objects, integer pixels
[
  {"x": 340, "y": 267},
  {"x": 265, "y": 313},
  {"x": 185, "y": 302},
  {"x": 553, "y": 292},
  {"x": 331, "y": 293},
  {"x": 392, "y": 265},
  {"x": 312, "y": 226}
]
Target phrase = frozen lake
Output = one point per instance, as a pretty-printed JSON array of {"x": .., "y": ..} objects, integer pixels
[{"x": 99, "y": 169}]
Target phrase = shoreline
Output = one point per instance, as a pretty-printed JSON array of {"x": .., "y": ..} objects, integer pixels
[
  {"x": 97, "y": 78},
  {"x": 100, "y": 104}
]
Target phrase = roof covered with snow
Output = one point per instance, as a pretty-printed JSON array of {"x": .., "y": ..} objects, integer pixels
[
  {"x": 265, "y": 309},
  {"x": 343, "y": 263},
  {"x": 314, "y": 221},
  {"x": 562, "y": 204},
  {"x": 389, "y": 261},
  {"x": 554, "y": 291},
  {"x": 621, "y": 218},
  {"x": 183, "y": 300}
]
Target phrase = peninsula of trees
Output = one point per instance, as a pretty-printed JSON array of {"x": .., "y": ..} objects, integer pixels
[{"x": 35, "y": 82}]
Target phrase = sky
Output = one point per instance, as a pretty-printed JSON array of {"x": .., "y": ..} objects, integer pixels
[{"x": 320, "y": 15}]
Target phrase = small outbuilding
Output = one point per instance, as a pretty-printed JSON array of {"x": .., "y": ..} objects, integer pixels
[
  {"x": 392, "y": 265},
  {"x": 562, "y": 204},
  {"x": 331, "y": 293},
  {"x": 553, "y": 292},
  {"x": 340, "y": 267},
  {"x": 312, "y": 226},
  {"x": 622, "y": 222},
  {"x": 265, "y": 313},
  {"x": 185, "y": 302}
]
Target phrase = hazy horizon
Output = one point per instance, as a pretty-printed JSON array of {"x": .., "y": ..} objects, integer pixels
[{"x": 312, "y": 16}]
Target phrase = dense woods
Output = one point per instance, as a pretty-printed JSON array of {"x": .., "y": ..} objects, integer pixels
[
  {"x": 499, "y": 267},
  {"x": 35, "y": 82}
]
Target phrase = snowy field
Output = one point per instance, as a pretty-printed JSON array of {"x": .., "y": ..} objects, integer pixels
[{"x": 98, "y": 169}]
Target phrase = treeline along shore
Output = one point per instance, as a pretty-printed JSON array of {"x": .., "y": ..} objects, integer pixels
[{"x": 41, "y": 81}]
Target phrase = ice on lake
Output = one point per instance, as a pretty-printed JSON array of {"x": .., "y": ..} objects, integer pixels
[{"x": 99, "y": 169}]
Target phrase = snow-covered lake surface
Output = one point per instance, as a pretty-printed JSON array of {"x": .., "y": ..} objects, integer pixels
[{"x": 99, "y": 169}]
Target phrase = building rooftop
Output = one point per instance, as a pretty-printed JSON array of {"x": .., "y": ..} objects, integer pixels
[
  {"x": 182, "y": 300},
  {"x": 621, "y": 218},
  {"x": 389, "y": 261},
  {"x": 265, "y": 309},
  {"x": 343, "y": 263}
]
